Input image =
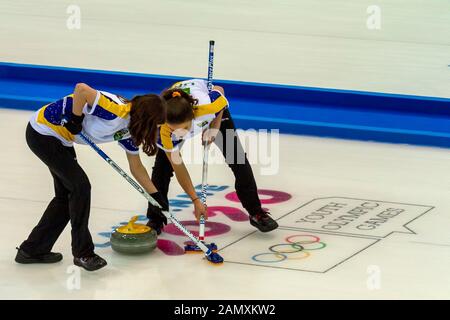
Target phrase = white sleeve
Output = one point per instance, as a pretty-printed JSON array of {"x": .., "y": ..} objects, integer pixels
[{"x": 87, "y": 109}]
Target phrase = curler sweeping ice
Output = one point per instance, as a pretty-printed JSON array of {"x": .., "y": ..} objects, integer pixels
[
  {"x": 211, "y": 256},
  {"x": 212, "y": 246},
  {"x": 191, "y": 247}
]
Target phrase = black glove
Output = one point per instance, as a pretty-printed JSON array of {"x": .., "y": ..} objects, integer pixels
[
  {"x": 74, "y": 124},
  {"x": 154, "y": 213}
]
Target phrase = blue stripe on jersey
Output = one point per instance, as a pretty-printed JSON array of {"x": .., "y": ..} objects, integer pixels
[
  {"x": 175, "y": 142},
  {"x": 54, "y": 111},
  {"x": 102, "y": 113},
  {"x": 214, "y": 95},
  {"x": 158, "y": 140},
  {"x": 129, "y": 145}
]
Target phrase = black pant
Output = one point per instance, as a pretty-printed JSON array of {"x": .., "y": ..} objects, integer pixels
[
  {"x": 236, "y": 159},
  {"x": 71, "y": 202}
]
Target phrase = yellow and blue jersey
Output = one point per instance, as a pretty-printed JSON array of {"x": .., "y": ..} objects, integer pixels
[
  {"x": 210, "y": 104},
  {"x": 106, "y": 120}
]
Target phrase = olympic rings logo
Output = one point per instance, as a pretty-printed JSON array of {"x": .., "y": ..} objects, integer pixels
[{"x": 297, "y": 247}]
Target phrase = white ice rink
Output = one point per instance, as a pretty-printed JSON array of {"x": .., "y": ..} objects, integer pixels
[
  {"x": 399, "y": 249},
  {"x": 407, "y": 256}
]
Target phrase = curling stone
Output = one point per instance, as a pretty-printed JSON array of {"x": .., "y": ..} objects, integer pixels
[{"x": 133, "y": 238}]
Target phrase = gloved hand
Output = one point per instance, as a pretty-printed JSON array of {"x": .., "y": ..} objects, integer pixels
[
  {"x": 74, "y": 124},
  {"x": 154, "y": 213}
]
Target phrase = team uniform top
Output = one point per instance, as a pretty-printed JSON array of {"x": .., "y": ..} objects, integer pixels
[
  {"x": 210, "y": 104},
  {"x": 105, "y": 121}
]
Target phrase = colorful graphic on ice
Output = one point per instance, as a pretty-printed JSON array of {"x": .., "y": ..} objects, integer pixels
[{"x": 316, "y": 236}]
